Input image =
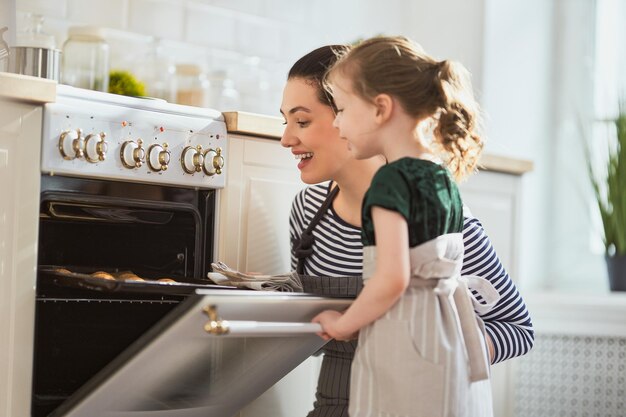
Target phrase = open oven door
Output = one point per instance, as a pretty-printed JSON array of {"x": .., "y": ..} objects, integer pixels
[{"x": 211, "y": 356}]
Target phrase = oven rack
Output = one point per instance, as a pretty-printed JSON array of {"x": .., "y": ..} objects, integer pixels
[{"x": 183, "y": 286}]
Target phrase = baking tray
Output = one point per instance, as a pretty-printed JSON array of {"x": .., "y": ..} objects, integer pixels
[{"x": 80, "y": 278}]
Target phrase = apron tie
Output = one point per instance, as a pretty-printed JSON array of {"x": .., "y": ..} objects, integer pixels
[
  {"x": 466, "y": 304},
  {"x": 485, "y": 289},
  {"x": 460, "y": 297}
]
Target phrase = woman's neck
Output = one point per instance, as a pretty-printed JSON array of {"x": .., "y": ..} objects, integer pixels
[{"x": 353, "y": 182}]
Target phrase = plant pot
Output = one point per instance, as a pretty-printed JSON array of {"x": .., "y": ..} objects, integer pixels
[{"x": 616, "y": 266}]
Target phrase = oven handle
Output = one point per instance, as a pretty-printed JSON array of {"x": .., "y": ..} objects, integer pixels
[
  {"x": 260, "y": 328},
  {"x": 217, "y": 326}
]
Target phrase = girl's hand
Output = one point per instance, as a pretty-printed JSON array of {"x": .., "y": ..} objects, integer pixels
[{"x": 329, "y": 320}]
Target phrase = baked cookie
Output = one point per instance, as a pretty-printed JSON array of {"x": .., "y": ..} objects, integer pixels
[{"x": 103, "y": 275}]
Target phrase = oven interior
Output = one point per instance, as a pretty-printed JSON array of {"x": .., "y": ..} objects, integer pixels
[{"x": 91, "y": 225}]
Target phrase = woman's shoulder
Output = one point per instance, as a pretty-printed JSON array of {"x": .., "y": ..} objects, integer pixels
[
  {"x": 312, "y": 196},
  {"x": 315, "y": 192},
  {"x": 471, "y": 223},
  {"x": 467, "y": 213}
]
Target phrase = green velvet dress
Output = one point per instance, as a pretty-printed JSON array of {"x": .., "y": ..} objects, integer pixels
[{"x": 423, "y": 192}]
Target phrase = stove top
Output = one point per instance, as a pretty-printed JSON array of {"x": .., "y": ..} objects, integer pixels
[{"x": 99, "y": 135}]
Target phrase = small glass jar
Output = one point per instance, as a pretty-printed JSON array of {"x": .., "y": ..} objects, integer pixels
[
  {"x": 33, "y": 35},
  {"x": 223, "y": 95},
  {"x": 85, "y": 60},
  {"x": 158, "y": 72},
  {"x": 192, "y": 85}
]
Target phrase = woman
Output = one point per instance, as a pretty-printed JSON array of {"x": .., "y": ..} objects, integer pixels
[{"x": 332, "y": 246}]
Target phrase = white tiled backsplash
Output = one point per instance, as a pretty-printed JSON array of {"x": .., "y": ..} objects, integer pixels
[{"x": 255, "y": 41}]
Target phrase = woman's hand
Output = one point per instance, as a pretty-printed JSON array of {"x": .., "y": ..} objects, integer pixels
[
  {"x": 329, "y": 319},
  {"x": 490, "y": 348}
]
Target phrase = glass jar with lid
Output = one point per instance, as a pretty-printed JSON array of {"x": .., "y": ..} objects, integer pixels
[
  {"x": 32, "y": 35},
  {"x": 192, "y": 85},
  {"x": 85, "y": 60},
  {"x": 158, "y": 72},
  {"x": 223, "y": 95}
]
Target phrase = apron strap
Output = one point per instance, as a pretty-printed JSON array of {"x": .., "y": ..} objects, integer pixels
[
  {"x": 303, "y": 247},
  {"x": 485, "y": 290},
  {"x": 463, "y": 302},
  {"x": 466, "y": 303}
]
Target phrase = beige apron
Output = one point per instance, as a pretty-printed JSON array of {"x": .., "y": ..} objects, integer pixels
[{"x": 426, "y": 357}]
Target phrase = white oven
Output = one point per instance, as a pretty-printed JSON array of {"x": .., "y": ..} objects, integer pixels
[{"x": 131, "y": 186}]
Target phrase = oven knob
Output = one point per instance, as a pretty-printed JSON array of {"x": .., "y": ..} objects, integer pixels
[
  {"x": 95, "y": 147},
  {"x": 71, "y": 144},
  {"x": 132, "y": 154},
  {"x": 158, "y": 157},
  {"x": 213, "y": 161},
  {"x": 192, "y": 159}
]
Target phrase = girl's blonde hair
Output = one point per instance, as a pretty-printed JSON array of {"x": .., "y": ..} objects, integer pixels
[{"x": 425, "y": 88}]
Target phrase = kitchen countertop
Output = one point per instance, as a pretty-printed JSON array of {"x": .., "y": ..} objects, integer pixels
[
  {"x": 258, "y": 125},
  {"x": 26, "y": 88}
]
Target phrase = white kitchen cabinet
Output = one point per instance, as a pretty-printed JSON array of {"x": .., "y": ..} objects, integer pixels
[
  {"x": 494, "y": 198},
  {"x": 21, "y": 115},
  {"x": 262, "y": 180}
]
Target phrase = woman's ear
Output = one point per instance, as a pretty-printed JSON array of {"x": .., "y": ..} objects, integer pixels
[{"x": 384, "y": 107}]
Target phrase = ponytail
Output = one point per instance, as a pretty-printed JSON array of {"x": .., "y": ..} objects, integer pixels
[{"x": 458, "y": 119}]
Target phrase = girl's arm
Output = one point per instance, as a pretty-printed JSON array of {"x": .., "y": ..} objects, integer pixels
[
  {"x": 508, "y": 324},
  {"x": 384, "y": 288}
]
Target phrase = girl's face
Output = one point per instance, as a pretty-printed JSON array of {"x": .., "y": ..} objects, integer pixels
[
  {"x": 355, "y": 119},
  {"x": 309, "y": 132}
]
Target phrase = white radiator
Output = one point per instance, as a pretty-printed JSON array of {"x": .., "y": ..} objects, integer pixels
[
  {"x": 572, "y": 376},
  {"x": 577, "y": 367}
]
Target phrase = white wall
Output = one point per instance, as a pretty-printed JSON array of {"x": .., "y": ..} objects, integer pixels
[
  {"x": 451, "y": 29},
  {"x": 575, "y": 266},
  {"x": 256, "y": 41},
  {"x": 510, "y": 46},
  {"x": 518, "y": 101}
]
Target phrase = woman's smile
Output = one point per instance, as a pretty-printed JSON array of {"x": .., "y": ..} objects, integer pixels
[{"x": 304, "y": 159}]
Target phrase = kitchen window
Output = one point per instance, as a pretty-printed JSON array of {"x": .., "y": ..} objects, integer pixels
[{"x": 591, "y": 80}]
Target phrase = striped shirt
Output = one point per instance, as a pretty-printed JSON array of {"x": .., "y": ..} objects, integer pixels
[{"x": 338, "y": 251}]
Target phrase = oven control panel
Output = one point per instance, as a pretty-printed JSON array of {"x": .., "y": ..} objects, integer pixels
[{"x": 159, "y": 143}]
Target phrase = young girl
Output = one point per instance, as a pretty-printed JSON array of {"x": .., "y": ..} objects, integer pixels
[{"x": 420, "y": 349}]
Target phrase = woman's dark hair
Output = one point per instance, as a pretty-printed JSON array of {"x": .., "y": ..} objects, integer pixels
[{"x": 313, "y": 67}]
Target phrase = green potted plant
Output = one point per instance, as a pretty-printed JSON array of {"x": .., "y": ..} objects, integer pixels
[{"x": 609, "y": 187}]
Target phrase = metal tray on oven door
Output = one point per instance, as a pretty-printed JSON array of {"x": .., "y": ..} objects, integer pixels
[{"x": 210, "y": 357}]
